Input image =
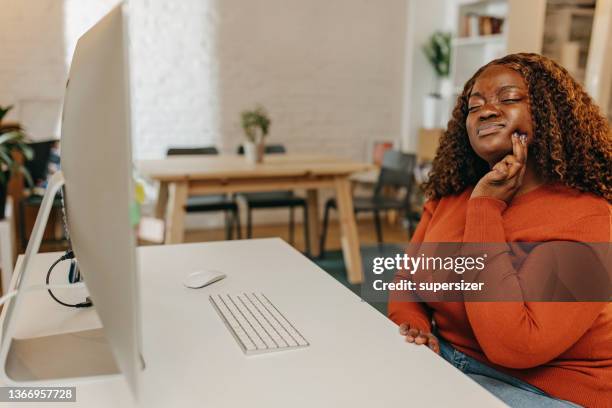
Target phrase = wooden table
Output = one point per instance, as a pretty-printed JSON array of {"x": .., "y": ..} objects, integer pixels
[
  {"x": 367, "y": 178},
  {"x": 183, "y": 176}
]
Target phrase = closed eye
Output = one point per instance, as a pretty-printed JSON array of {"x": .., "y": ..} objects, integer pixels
[
  {"x": 511, "y": 100},
  {"x": 473, "y": 108}
]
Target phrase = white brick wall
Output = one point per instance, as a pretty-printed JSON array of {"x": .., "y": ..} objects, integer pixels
[
  {"x": 329, "y": 72},
  {"x": 174, "y": 71},
  {"x": 32, "y": 63},
  {"x": 173, "y": 64}
]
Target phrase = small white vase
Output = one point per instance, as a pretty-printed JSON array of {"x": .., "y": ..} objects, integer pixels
[
  {"x": 444, "y": 112},
  {"x": 446, "y": 87},
  {"x": 431, "y": 111},
  {"x": 253, "y": 152}
]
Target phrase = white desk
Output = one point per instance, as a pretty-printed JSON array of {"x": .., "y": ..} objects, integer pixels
[{"x": 356, "y": 357}]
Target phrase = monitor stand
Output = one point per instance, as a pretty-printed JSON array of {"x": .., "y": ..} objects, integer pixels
[{"x": 55, "y": 359}]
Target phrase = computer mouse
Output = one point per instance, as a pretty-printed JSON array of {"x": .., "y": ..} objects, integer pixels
[{"x": 199, "y": 279}]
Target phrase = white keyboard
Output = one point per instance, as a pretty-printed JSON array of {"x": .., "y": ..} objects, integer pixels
[{"x": 256, "y": 324}]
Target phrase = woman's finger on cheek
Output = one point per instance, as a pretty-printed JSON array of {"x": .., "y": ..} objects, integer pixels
[
  {"x": 524, "y": 150},
  {"x": 516, "y": 169},
  {"x": 516, "y": 145},
  {"x": 522, "y": 139},
  {"x": 520, "y": 147}
]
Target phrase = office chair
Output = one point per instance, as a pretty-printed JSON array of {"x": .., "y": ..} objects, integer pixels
[
  {"x": 211, "y": 203},
  {"x": 397, "y": 171},
  {"x": 276, "y": 199}
]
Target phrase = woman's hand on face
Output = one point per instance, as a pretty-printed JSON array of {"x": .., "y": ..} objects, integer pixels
[
  {"x": 506, "y": 177},
  {"x": 419, "y": 337}
]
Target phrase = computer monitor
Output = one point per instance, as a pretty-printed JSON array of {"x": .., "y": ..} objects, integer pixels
[{"x": 97, "y": 177}]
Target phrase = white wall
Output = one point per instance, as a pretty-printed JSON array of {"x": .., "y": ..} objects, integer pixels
[
  {"x": 329, "y": 72},
  {"x": 79, "y": 16},
  {"x": 423, "y": 19},
  {"x": 599, "y": 65},
  {"x": 32, "y": 63},
  {"x": 174, "y": 75}
]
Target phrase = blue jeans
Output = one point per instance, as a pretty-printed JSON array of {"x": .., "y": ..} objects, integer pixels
[{"x": 507, "y": 388}]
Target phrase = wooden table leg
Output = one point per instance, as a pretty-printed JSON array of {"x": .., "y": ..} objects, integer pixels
[
  {"x": 162, "y": 201},
  {"x": 312, "y": 198},
  {"x": 348, "y": 227},
  {"x": 175, "y": 219}
]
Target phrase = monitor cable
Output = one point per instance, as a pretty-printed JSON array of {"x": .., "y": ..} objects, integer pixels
[{"x": 68, "y": 255}]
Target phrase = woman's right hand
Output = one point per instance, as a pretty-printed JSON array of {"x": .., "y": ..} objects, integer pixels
[{"x": 418, "y": 337}]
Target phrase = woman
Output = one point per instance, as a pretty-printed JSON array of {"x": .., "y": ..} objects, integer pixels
[{"x": 527, "y": 156}]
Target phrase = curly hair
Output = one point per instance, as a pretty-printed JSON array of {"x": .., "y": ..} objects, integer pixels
[{"x": 571, "y": 142}]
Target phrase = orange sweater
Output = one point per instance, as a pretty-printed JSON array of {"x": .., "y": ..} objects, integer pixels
[{"x": 564, "y": 349}]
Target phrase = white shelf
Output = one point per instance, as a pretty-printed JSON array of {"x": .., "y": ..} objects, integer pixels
[{"x": 478, "y": 40}]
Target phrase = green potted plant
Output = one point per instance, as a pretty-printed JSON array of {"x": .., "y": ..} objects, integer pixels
[
  {"x": 12, "y": 139},
  {"x": 438, "y": 52},
  {"x": 256, "y": 124}
]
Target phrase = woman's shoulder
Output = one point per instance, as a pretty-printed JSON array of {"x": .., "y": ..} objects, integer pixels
[
  {"x": 562, "y": 212},
  {"x": 573, "y": 204}
]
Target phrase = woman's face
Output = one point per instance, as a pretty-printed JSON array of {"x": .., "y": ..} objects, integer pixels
[{"x": 498, "y": 106}]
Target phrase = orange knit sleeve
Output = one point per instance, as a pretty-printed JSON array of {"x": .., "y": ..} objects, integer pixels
[
  {"x": 524, "y": 334},
  {"x": 404, "y": 311}
]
